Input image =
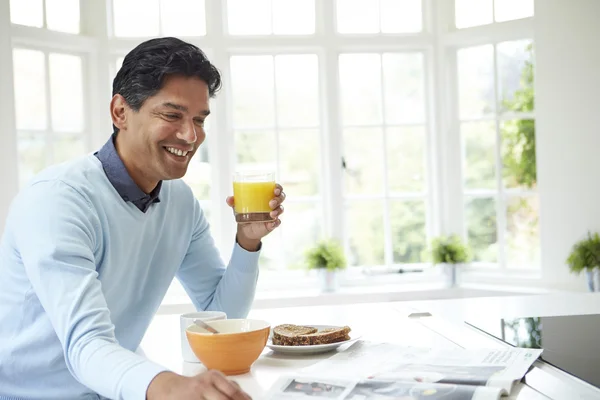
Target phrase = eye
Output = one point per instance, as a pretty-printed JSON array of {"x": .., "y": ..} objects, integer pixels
[
  {"x": 199, "y": 122},
  {"x": 171, "y": 117}
]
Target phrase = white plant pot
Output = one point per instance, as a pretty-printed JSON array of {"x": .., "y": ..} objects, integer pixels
[
  {"x": 329, "y": 280},
  {"x": 451, "y": 272},
  {"x": 593, "y": 280}
]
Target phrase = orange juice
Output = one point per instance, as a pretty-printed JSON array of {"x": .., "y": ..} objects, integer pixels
[{"x": 252, "y": 200}]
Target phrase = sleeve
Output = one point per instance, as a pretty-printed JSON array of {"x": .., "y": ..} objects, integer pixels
[
  {"x": 56, "y": 243},
  {"x": 207, "y": 281}
]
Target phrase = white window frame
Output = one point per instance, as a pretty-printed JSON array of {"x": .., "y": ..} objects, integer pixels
[
  {"x": 452, "y": 40},
  {"x": 438, "y": 42}
]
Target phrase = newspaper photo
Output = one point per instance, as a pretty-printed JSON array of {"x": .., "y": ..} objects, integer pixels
[
  {"x": 295, "y": 387},
  {"x": 370, "y": 370}
]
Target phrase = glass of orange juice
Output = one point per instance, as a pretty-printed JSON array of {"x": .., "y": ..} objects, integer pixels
[{"x": 252, "y": 192}]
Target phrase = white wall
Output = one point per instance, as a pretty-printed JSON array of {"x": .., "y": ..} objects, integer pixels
[
  {"x": 8, "y": 141},
  {"x": 568, "y": 129}
]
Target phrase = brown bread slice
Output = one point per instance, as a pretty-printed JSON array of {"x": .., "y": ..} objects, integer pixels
[{"x": 299, "y": 335}]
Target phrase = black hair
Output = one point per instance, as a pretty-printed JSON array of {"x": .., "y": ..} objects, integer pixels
[{"x": 145, "y": 68}]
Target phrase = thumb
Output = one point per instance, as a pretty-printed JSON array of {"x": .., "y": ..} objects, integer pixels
[{"x": 229, "y": 201}]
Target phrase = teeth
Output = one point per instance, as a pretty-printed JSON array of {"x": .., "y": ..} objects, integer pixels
[{"x": 177, "y": 152}]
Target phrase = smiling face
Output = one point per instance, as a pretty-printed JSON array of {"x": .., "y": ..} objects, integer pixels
[{"x": 158, "y": 141}]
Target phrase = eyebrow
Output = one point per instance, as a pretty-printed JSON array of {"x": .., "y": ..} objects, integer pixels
[{"x": 179, "y": 107}]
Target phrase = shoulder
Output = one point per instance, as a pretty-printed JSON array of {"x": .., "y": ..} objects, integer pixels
[
  {"x": 76, "y": 173},
  {"x": 69, "y": 183}
]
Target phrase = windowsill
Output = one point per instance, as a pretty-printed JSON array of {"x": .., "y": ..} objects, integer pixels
[{"x": 275, "y": 291}]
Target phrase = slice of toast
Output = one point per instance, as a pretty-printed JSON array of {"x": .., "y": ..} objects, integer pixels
[{"x": 300, "y": 335}]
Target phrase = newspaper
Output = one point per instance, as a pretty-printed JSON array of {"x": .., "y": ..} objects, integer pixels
[{"x": 370, "y": 370}]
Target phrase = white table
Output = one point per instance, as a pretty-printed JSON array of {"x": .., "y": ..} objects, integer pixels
[{"x": 377, "y": 322}]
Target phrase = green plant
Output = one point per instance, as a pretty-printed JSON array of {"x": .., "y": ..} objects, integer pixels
[
  {"x": 449, "y": 250},
  {"x": 326, "y": 254},
  {"x": 585, "y": 254},
  {"x": 518, "y": 136}
]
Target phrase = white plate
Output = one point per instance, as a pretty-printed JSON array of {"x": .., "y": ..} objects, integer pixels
[{"x": 314, "y": 349}]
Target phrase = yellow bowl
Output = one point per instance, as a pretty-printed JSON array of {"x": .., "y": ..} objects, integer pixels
[{"x": 234, "y": 349}]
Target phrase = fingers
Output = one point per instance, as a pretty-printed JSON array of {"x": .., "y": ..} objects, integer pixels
[
  {"x": 277, "y": 201},
  {"x": 277, "y": 212},
  {"x": 272, "y": 225},
  {"x": 278, "y": 189}
]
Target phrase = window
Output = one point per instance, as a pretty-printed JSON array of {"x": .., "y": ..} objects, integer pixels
[
  {"x": 277, "y": 126},
  {"x": 345, "y": 100},
  {"x": 495, "y": 93},
  {"x": 146, "y": 18},
  {"x": 384, "y": 136},
  {"x": 266, "y": 17},
  {"x": 57, "y": 15},
  {"x": 470, "y": 13},
  {"x": 379, "y": 16},
  {"x": 49, "y": 113}
]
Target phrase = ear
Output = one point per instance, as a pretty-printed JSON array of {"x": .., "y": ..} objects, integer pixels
[{"x": 118, "y": 111}]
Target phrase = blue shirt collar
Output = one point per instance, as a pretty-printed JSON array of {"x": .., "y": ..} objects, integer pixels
[{"x": 121, "y": 180}]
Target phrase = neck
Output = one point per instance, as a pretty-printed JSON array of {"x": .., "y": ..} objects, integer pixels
[{"x": 145, "y": 183}]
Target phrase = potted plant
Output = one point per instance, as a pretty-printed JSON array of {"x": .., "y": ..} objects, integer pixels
[
  {"x": 328, "y": 258},
  {"x": 585, "y": 257},
  {"x": 449, "y": 251}
]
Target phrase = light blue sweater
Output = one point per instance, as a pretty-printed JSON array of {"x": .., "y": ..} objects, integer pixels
[{"x": 82, "y": 273}]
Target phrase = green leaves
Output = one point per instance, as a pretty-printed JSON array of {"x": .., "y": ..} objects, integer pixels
[
  {"x": 519, "y": 135},
  {"x": 449, "y": 250},
  {"x": 328, "y": 254},
  {"x": 585, "y": 254}
]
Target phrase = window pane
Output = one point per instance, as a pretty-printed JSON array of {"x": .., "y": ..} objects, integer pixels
[
  {"x": 249, "y": 17},
  {"x": 476, "y": 81},
  {"x": 198, "y": 173},
  {"x": 63, "y": 15},
  {"x": 32, "y": 156},
  {"x": 67, "y": 100},
  {"x": 136, "y": 18},
  {"x": 256, "y": 149},
  {"x": 297, "y": 82},
  {"x": 30, "y": 89},
  {"x": 515, "y": 75},
  {"x": 363, "y": 148},
  {"x": 479, "y": 141},
  {"x": 299, "y": 155},
  {"x": 506, "y": 10},
  {"x": 272, "y": 252},
  {"x": 252, "y": 87},
  {"x": 67, "y": 148},
  {"x": 482, "y": 230},
  {"x": 360, "y": 85},
  {"x": 364, "y": 232},
  {"x": 404, "y": 88},
  {"x": 182, "y": 17},
  {"x": 409, "y": 235},
  {"x": 27, "y": 12},
  {"x": 293, "y": 16},
  {"x": 523, "y": 236},
  {"x": 470, "y": 13},
  {"x": 406, "y": 159},
  {"x": 302, "y": 227},
  {"x": 518, "y": 153},
  {"x": 401, "y": 16},
  {"x": 357, "y": 16}
]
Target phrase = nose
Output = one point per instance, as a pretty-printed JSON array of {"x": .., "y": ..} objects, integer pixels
[{"x": 188, "y": 132}]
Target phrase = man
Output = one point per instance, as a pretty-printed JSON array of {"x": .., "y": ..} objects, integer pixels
[{"x": 91, "y": 246}]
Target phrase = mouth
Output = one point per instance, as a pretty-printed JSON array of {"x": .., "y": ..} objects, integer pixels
[{"x": 177, "y": 154}]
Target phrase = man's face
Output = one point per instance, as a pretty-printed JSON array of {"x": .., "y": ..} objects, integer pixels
[{"x": 160, "y": 139}]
